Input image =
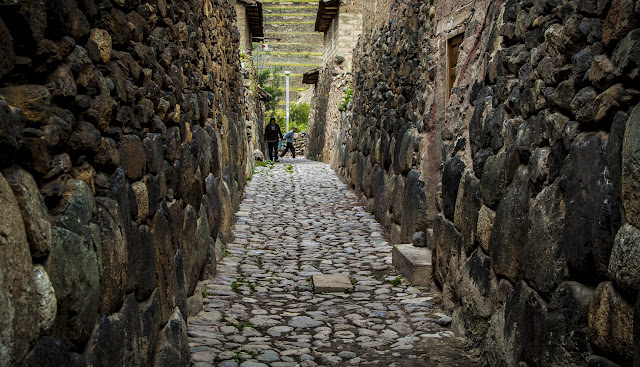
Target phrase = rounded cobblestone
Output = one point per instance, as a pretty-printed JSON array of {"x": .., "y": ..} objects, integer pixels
[{"x": 298, "y": 219}]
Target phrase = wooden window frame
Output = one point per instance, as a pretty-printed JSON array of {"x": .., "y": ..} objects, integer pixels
[{"x": 453, "y": 53}]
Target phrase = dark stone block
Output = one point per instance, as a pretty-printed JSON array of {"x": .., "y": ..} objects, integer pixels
[
  {"x": 414, "y": 209},
  {"x": 116, "y": 339},
  {"x": 636, "y": 333},
  {"x": 114, "y": 257},
  {"x": 626, "y": 56},
  {"x": 479, "y": 135},
  {"x": 614, "y": 151},
  {"x": 149, "y": 326},
  {"x": 185, "y": 169},
  {"x": 153, "y": 191},
  {"x": 509, "y": 233},
  {"x": 544, "y": 256},
  {"x": 467, "y": 209},
  {"x": 597, "y": 361},
  {"x": 566, "y": 337},
  {"x": 525, "y": 313},
  {"x": 142, "y": 256},
  {"x": 48, "y": 352},
  {"x": 121, "y": 192},
  {"x": 479, "y": 159},
  {"x": 497, "y": 173},
  {"x": 447, "y": 241},
  {"x": 592, "y": 214},
  {"x": 213, "y": 204},
  {"x": 451, "y": 176},
  {"x": 205, "y": 153},
  {"x": 380, "y": 205},
  {"x": 181, "y": 292},
  {"x": 155, "y": 153},
  {"x": 173, "y": 347},
  {"x": 133, "y": 157},
  {"x": 478, "y": 288},
  {"x": 167, "y": 282},
  {"x": 73, "y": 269},
  {"x": 610, "y": 329}
]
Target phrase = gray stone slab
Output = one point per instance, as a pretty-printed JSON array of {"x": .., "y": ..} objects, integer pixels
[
  {"x": 326, "y": 283},
  {"x": 413, "y": 262}
]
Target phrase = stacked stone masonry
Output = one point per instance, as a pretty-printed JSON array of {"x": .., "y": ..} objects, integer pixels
[
  {"x": 334, "y": 79},
  {"x": 525, "y": 179},
  {"x": 123, "y": 154}
]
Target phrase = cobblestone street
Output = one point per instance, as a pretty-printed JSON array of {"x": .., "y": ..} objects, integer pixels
[{"x": 298, "y": 219}]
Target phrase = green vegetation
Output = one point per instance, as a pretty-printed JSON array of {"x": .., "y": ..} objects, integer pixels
[
  {"x": 291, "y": 14},
  {"x": 239, "y": 282},
  {"x": 290, "y": 8},
  {"x": 289, "y": 64},
  {"x": 298, "y": 117},
  {"x": 266, "y": 163},
  {"x": 290, "y": 44},
  {"x": 294, "y": 89},
  {"x": 268, "y": 81},
  {"x": 291, "y": 75},
  {"x": 225, "y": 253},
  {"x": 290, "y": 1},
  {"x": 289, "y": 22},
  {"x": 289, "y": 53},
  {"x": 205, "y": 292},
  {"x": 395, "y": 282},
  {"x": 348, "y": 93},
  {"x": 289, "y": 168},
  {"x": 298, "y": 33},
  {"x": 352, "y": 280},
  {"x": 240, "y": 325}
]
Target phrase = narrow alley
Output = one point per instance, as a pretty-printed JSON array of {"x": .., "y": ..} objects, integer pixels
[{"x": 298, "y": 219}]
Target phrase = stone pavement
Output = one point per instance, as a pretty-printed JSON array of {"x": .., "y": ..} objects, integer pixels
[{"x": 298, "y": 219}]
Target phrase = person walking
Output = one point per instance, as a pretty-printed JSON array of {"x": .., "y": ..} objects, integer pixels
[
  {"x": 289, "y": 138},
  {"x": 272, "y": 135}
]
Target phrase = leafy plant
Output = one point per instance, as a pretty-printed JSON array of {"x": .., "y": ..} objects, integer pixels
[
  {"x": 270, "y": 82},
  {"x": 348, "y": 93},
  {"x": 352, "y": 280},
  {"x": 205, "y": 292},
  {"x": 396, "y": 281}
]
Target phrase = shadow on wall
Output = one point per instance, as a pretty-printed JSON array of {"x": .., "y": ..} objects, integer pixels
[
  {"x": 524, "y": 179},
  {"x": 121, "y": 165}
]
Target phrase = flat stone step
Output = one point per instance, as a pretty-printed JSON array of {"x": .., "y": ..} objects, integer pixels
[
  {"x": 327, "y": 283},
  {"x": 413, "y": 262}
]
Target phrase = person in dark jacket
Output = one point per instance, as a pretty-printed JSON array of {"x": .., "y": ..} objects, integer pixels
[{"x": 272, "y": 135}]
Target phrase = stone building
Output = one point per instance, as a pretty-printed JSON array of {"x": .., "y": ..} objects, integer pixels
[
  {"x": 507, "y": 132},
  {"x": 123, "y": 155},
  {"x": 250, "y": 22},
  {"x": 291, "y": 43},
  {"x": 341, "y": 23}
]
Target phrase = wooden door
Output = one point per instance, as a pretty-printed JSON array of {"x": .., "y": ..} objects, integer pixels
[{"x": 453, "y": 50}]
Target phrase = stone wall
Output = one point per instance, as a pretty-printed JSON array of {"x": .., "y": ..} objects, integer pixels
[
  {"x": 123, "y": 156},
  {"x": 334, "y": 79},
  {"x": 524, "y": 180}
]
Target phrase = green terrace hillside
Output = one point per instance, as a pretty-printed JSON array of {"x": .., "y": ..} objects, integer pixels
[{"x": 293, "y": 44}]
